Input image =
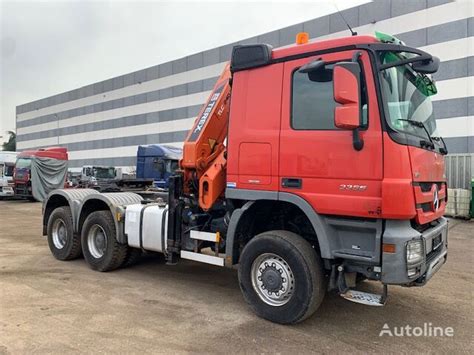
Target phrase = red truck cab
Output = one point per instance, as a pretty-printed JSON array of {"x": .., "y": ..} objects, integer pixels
[
  {"x": 22, "y": 172},
  {"x": 374, "y": 188}
]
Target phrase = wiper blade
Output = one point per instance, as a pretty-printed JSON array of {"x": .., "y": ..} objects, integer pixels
[
  {"x": 420, "y": 124},
  {"x": 443, "y": 150}
]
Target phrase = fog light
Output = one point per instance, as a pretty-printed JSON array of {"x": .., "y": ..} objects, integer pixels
[
  {"x": 415, "y": 251},
  {"x": 413, "y": 271}
]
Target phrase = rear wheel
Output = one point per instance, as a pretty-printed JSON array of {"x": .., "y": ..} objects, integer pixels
[
  {"x": 62, "y": 241},
  {"x": 280, "y": 275},
  {"x": 99, "y": 244},
  {"x": 133, "y": 257}
]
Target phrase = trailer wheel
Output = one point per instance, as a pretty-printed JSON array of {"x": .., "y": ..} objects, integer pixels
[
  {"x": 99, "y": 244},
  {"x": 62, "y": 241},
  {"x": 132, "y": 257},
  {"x": 281, "y": 277}
]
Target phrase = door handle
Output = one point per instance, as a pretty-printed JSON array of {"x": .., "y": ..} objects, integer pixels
[{"x": 291, "y": 183}]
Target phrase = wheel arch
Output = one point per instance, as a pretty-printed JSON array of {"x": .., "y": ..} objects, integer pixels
[
  {"x": 113, "y": 202},
  {"x": 242, "y": 219},
  {"x": 64, "y": 197}
]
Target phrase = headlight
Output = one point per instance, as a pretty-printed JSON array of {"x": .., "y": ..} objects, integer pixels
[{"x": 415, "y": 251}]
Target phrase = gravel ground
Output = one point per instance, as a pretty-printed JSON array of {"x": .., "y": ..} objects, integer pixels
[{"x": 49, "y": 306}]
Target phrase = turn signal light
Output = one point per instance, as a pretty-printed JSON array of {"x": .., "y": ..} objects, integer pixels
[
  {"x": 389, "y": 248},
  {"x": 302, "y": 38}
]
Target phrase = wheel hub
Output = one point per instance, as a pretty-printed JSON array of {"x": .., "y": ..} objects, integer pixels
[
  {"x": 272, "y": 279},
  {"x": 59, "y": 233},
  {"x": 97, "y": 241}
]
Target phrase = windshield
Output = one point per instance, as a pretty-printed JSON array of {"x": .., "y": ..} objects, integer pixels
[
  {"x": 104, "y": 173},
  {"x": 406, "y": 100},
  {"x": 172, "y": 166},
  {"x": 22, "y": 163},
  {"x": 9, "y": 169}
]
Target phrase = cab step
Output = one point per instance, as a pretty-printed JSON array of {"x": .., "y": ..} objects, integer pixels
[
  {"x": 366, "y": 298},
  {"x": 202, "y": 258}
]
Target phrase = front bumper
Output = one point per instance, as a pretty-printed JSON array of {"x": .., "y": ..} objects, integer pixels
[
  {"x": 23, "y": 190},
  {"x": 6, "y": 191},
  {"x": 394, "y": 265}
]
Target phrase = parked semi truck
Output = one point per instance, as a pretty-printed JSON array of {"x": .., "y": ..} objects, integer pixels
[
  {"x": 110, "y": 179},
  {"x": 310, "y": 167},
  {"x": 38, "y": 172},
  {"x": 158, "y": 162},
  {"x": 7, "y": 165}
]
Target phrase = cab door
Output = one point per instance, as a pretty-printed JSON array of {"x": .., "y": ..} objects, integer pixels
[{"x": 317, "y": 160}]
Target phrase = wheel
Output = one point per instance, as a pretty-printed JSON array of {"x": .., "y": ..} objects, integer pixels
[
  {"x": 281, "y": 278},
  {"x": 63, "y": 243},
  {"x": 132, "y": 257},
  {"x": 99, "y": 244}
]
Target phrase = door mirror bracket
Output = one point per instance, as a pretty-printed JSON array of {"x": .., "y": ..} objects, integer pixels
[{"x": 347, "y": 115}]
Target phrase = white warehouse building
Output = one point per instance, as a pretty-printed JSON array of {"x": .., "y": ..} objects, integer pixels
[{"x": 103, "y": 123}]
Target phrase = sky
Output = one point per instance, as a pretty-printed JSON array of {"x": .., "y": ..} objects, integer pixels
[{"x": 48, "y": 47}]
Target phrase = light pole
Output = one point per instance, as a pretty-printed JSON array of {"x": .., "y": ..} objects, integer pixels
[{"x": 57, "y": 126}]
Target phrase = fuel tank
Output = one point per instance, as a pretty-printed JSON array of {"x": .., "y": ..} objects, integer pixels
[{"x": 146, "y": 226}]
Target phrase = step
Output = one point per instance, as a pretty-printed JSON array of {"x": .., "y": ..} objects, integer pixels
[
  {"x": 202, "y": 258},
  {"x": 369, "y": 299},
  {"x": 206, "y": 236}
]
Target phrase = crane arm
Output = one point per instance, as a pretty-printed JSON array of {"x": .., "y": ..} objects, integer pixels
[{"x": 204, "y": 161}]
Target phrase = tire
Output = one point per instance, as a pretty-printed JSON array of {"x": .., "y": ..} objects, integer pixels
[
  {"x": 63, "y": 242},
  {"x": 291, "y": 266},
  {"x": 132, "y": 258},
  {"x": 101, "y": 250}
]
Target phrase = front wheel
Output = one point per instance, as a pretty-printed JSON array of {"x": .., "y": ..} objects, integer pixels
[
  {"x": 99, "y": 244},
  {"x": 281, "y": 278}
]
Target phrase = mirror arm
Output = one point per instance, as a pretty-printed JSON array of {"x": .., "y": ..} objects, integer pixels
[{"x": 357, "y": 141}]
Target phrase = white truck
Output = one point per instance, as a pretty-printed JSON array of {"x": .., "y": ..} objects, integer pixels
[{"x": 7, "y": 165}]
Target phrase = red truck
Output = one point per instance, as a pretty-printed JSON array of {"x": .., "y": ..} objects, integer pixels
[
  {"x": 310, "y": 168},
  {"x": 37, "y": 172}
]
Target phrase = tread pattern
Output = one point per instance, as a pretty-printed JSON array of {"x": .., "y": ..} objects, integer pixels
[{"x": 132, "y": 257}]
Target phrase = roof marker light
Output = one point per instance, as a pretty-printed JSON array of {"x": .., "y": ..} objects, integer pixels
[{"x": 302, "y": 38}]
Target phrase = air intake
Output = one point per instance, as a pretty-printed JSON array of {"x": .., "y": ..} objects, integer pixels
[{"x": 250, "y": 56}]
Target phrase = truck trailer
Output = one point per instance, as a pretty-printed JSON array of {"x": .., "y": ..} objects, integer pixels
[
  {"x": 38, "y": 172},
  {"x": 310, "y": 168}
]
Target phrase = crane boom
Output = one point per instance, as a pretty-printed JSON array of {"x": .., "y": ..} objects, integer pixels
[{"x": 204, "y": 160}]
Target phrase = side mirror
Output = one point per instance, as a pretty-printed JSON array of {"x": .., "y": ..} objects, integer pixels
[
  {"x": 312, "y": 66},
  {"x": 426, "y": 67},
  {"x": 346, "y": 78}
]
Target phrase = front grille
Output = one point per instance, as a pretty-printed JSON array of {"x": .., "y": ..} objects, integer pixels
[
  {"x": 426, "y": 186},
  {"x": 433, "y": 254},
  {"x": 423, "y": 227}
]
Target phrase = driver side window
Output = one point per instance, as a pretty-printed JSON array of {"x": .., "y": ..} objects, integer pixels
[{"x": 312, "y": 106}]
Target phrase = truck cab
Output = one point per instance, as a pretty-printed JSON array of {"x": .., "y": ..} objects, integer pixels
[
  {"x": 158, "y": 162},
  {"x": 309, "y": 168},
  {"x": 7, "y": 165},
  {"x": 94, "y": 175}
]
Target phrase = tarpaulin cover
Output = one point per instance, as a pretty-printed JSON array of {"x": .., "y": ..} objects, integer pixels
[{"x": 47, "y": 174}]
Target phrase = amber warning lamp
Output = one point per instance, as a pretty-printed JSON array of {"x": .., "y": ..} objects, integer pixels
[{"x": 302, "y": 38}]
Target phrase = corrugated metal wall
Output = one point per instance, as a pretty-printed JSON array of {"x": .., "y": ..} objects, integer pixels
[{"x": 459, "y": 170}]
